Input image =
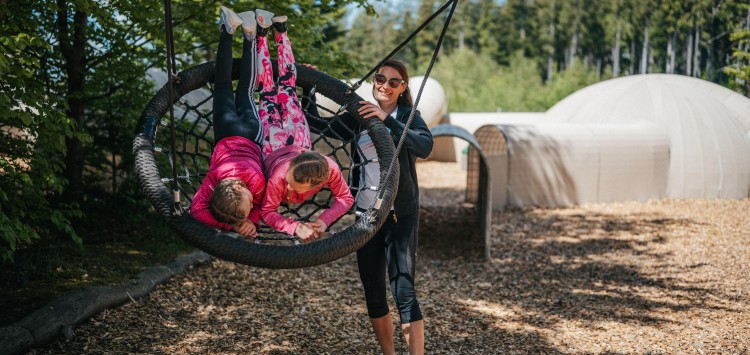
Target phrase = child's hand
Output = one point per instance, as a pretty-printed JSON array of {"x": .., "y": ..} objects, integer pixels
[
  {"x": 246, "y": 228},
  {"x": 319, "y": 226},
  {"x": 306, "y": 232}
]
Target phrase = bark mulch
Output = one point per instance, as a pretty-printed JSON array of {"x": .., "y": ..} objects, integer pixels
[{"x": 666, "y": 276}]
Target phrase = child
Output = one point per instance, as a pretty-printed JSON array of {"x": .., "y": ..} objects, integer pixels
[
  {"x": 231, "y": 193},
  {"x": 295, "y": 173}
]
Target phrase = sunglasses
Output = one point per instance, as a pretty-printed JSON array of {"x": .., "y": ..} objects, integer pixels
[{"x": 380, "y": 79}]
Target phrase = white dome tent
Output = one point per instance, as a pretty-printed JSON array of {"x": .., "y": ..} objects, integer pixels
[{"x": 630, "y": 138}]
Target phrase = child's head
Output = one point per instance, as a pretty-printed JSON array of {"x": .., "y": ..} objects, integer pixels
[
  {"x": 307, "y": 171},
  {"x": 231, "y": 201}
]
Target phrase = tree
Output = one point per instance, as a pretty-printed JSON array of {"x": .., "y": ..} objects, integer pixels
[
  {"x": 739, "y": 70},
  {"x": 32, "y": 132},
  {"x": 74, "y": 81}
]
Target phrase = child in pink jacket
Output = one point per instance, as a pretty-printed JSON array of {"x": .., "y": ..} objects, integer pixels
[
  {"x": 231, "y": 193},
  {"x": 294, "y": 172}
]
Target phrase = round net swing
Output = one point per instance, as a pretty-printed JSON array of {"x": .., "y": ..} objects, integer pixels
[{"x": 193, "y": 144}]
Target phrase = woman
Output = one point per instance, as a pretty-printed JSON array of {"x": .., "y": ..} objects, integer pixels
[{"x": 395, "y": 244}]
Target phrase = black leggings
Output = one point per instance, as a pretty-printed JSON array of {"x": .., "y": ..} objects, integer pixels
[
  {"x": 241, "y": 119},
  {"x": 396, "y": 244}
]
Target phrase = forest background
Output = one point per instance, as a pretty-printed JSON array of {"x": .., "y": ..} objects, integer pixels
[{"x": 73, "y": 83}]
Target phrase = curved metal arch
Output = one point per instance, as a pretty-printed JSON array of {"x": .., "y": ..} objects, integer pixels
[{"x": 484, "y": 186}]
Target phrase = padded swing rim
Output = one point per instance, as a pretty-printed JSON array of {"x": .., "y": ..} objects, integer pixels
[{"x": 220, "y": 244}]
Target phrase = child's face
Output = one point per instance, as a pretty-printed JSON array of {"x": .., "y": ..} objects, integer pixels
[
  {"x": 296, "y": 186},
  {"x": 247, "y": 201}
]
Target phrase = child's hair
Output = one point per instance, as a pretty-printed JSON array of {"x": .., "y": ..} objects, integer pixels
[
  {"x": 309, "y": 167},
  {"x": 226, "y": 201}
]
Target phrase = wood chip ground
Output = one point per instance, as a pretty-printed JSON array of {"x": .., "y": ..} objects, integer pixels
[{"x": 654, "y": 277}]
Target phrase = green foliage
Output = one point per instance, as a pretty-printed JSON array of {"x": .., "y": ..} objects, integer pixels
[
  {"x": 73, "y": 83},
  {"x": 469, "y": 81},
  {"x": 739, "y": 70},
  {"x": 32, "y": 129},
  {"x": 475, "y": 83}
]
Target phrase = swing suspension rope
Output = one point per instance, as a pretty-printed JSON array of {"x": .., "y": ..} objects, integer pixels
[
  {"x": 378, "y": 201},
  {"x": 190, "y": 143},
  {"x": 171, "y": 78}
]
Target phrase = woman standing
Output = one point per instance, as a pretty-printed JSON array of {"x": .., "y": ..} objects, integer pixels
[{"x": 395, "y": 244}]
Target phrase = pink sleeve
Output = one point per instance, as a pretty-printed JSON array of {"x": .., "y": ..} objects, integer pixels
[
  {"x": 275, "y": 189},
  {"x": 199, "y": 208},
  {"x": 342, "y": 197}
]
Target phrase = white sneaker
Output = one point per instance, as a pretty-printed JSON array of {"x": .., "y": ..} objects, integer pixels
[
  {"x": 279, "y": 23},
  {"x": 248, "y": 24},
  {"x": 264, "y": 18},
  {"x": 229, "y": 20}
]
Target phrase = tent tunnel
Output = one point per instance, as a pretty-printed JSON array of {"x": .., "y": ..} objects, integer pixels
[{"x": 631, "y": 138}]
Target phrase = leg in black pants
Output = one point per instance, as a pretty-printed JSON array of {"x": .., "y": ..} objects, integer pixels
[
  {"x": 240, "y": 119},
  {"x": 395, "y": 244}
]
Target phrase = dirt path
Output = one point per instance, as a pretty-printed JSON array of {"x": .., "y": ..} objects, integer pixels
[{"x": 649, "y": 277}]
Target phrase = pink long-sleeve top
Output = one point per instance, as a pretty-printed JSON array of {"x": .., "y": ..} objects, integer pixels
[
  {"x": 233, "y": 157},
  {"x": 276, "y": 166}
]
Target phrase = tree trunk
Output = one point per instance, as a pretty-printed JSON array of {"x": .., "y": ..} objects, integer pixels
[
  {"x": 74, "y": 54},
  {"x": 710, "y": 47},
  {"x": 550, "y": 61},
  {"x": 2, "y": 14},
  {"x": 572, "y": 50},
  {"x": 616, "y": 50},
  {"x": 671, "y": 53},
  {"x": 689, "y": 56},
  {"x": 633, "y": 51},
  {"x": 697, "y": 53},
  {"x": 645, "y": 54},
  {"x": 668, "y": 64}
]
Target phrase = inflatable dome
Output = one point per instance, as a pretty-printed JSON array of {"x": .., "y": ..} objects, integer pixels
[
  {"x": 708, "y": 127},
  {"x": 632, "y": 138}
]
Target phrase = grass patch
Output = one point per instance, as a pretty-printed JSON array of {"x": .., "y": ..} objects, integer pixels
[{"x": 120, "y": 240}]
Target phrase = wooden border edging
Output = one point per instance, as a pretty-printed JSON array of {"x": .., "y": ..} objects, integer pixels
[{"x": 61, "y": 316}]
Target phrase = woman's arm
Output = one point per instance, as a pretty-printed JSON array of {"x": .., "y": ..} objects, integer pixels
[{"x": 418, "y": 137}]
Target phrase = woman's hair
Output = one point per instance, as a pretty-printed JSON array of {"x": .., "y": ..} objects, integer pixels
[
  {"x": 226, "y": 201},
  {"x": 309, "y": 167},
  {"x": 405, "y": 99}
]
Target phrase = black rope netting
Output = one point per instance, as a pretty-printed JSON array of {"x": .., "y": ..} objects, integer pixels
[{"x": 194, "y": 143}]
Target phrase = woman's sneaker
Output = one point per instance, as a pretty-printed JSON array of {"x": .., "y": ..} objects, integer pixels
[
  {"x": 248, "y": 24},
  {"x": 279, "y": 23},
  {"x": 229, "y": 20},
  {"x": 264, "y": 21}
]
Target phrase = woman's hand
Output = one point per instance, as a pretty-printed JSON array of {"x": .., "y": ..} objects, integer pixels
[
  {"x": 246, "y": 228},
  {"x": 370, "y": 109}
]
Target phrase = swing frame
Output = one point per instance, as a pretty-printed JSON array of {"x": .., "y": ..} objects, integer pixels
[{"x": 222, "y": 244}]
